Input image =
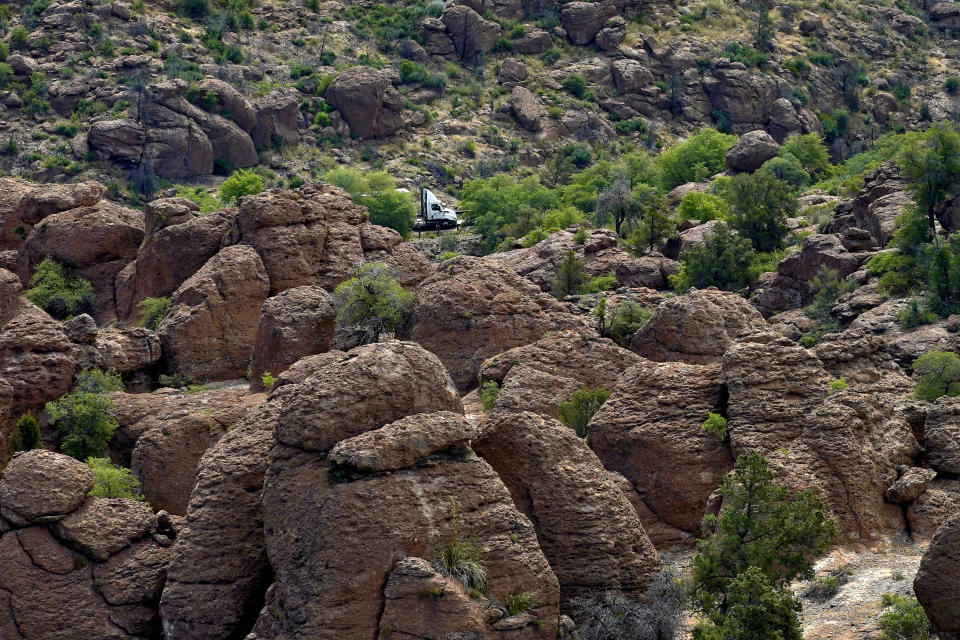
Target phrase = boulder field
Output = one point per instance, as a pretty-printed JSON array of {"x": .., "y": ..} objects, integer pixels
[{"x": 316, "y": 501}]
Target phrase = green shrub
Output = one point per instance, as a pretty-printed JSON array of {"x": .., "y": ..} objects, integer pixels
[
  {"x": 66, "y": 129},
  {"x": 174, "y": 381},
  {"x": 58, "y": 294},
  {"x": 194, "y": 9},
  {"x": 26, "y": 435},
  {"x": 244, "y": 182},
  {"x": 749, "y": 56},
  {"x": 952, "y": 84},
  {"x": 462, "y": 559},
  {"x": 915, "y": 314},
  {"x": 787, "y": 168},
  {"x": 84, "y": 419},
  {"x": 112, "y": 481},
  {"x": 6, "y": 75},
  {"x": 488, "y": 394},
  {"x": 828, "y": 586},
  {"x": 939, "y": 375},
  {"x": 267, "y": 380},
  {"x": 811, "y": 153},
  {"x": 97, "y": 381},
  {"x": 899, "y": 274},
  {"x": 199, "y": 196},
  {"x": 575, "y": 84},
  {"x": 515, "y": 603},
  {"x": 905, "y": 619},
  {"x": 372, "y": 302},
  {"x": 377, "y": 191},
  {"x": 598, "y": 284},
  {"x": 715, "y": 425},
  {"x": 701, "y": 156},
  {"x": 448, "y": 255},
  {"x": 570, "y": 277},
  {"x": 18, "y": 38},
  {"x": 151, "y": 312},
  {"x": 840, "y": 384},
  {"x": 580, "y": 236},
  {"x": 583, "y": 404},
  {"x": 627, "y": 320},
  {"x": 412, "y": 72},
  {"x": 723, "y": 260},
  {"x": 551, "y": 55},
  {"x": 702, "y": 207},
  {"x": 759, "y": 207}
]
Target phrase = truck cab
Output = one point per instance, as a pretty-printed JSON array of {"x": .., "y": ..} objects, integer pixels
[{"x": 433, "y": 214}]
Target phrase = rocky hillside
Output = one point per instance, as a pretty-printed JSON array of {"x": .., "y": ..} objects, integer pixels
[{"x": 690, "y": 361}]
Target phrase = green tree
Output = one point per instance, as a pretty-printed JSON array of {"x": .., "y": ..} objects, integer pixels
[
  {"x": 377, "y": 191},
  {"x": 60, "y": 295},
  {"x": 761, "y": 532},
  {"x": 932, "y": 169},
  {"x": 372, "y": 302},
  {"x": 617, "y": 202},
  {"x": 759, "y": 207},
  {"x": 85, "y": 421},
  {"x": 627, "y": 319},
  {"x": 787, "y": 168},
  {"x": 939, "y": 375},
  {"x": 698, "y": 158},
  {"x": 722, "y": 260},
  {"x": 702, "y": 207},
  {"x": 570, "y": 277},
  {"x": 756, "y": 611},
  {"x": 240, "y": 183},
  {"x": 583, "y": 404},
  {"x": 152, "y": 311},
  {"x": 812, "y": 154},
  {"x": 656, "y": 224},
  {"x": 763, "y": 39},
  {"x": 111, "y": 481},
  {"x": 26, "y": 435}
]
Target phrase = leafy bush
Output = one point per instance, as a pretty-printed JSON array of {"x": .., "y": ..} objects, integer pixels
[
  {"x": 194, "y": 9},
  {"x": 151, "y": 312},
  {"x": 840, "y": 384},
  {"x": 826, "y": 587},
  {"x": 899, "y": 274},
  {"x": 583, "y": 404},
  {"x": 698, "y": 158},
  {"x": 174, "y": 381},
  {"x": 372, "y": 302},
  {"x": 488, "y": 394},
  {"x": 97, "y": 381},
  {"x": 627, "y": 320},
  {"x": 112, "y": 481},
  {"x": 244, "y": 182},
  {"x": 939, "y": 373},
  {"x": 915, "y": 314},
  {"x": 199, "y": 196},
  {"x": 462, "y": 559},
  {"x": 6, "y": 74},
  {"x": 952, "y": 84},
  {"x": 749, "y": 56},
  {"x": 267, "y": 380},
  {"x": 377, "y": 191},
  {"x": 715, "y": 425},
  {"x": 83, "y": 418},
  {"x": 598, "y": 284},
  {"x": 905, "y": 619},
  {"x": 515, "y": 603},
  {"x": 787, "y": 168},
  {"x": 26, "y": 435},
  {"x": 411, "y": 72},
  {"x": 723, "y": 260},
  {"x": 811, "y": 153},
  {"x": 58, "y": 294},
  {"x": 575, "y": 84},
  {"x": 701, "y": 206}
]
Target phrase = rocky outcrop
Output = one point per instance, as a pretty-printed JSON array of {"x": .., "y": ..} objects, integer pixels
[
  {"x": 697, "y": 327},
  {"x": 630, "y": 76},
  {"x": 474, "y": 308},
  {"x": 932, "y": 508},
  {"x": 650, "y": 431},
  {"x": 584, "y": 20},
  {"x": 845, "y": 445},
  {"x": 587, "y": 528},
  {"x": 106, "y": 558},
  {"x": 941, "y": 435},
  {"x": 368, "y": 102},
  {"x": 12, "y": 228},
  {"x": 95, "y": 242},
  {"x": 526, "y": 108},
  {"x": 211, "y": 322},
  {"x": 178, "y": 241},
  {"x": 751, "y": 150},
  {"x": 937, "y": 584},
  {"x": 747, "y": 97},
  {"x": 469, "y": 33},
  {"x": 539, "y": 376},
  {"x": 876, "y": 206},
  {"x": 296, "y": 323}
]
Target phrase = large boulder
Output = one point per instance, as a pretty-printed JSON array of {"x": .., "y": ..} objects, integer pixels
[
  {"x": 54, "y": 198},
  {"x": 941, "y": 435},
  {"x": 845, "y": 445},
  {"x": 95, "y": 242},
  {"x": 697, "y": 327},
  {"x": 12, "y": 230},
  {"x": 475, "y": 308},
  {"x": 470, "y": 33},
  {"x": 650, "y": 431},
  {"x": 293, "y": 324},
  {"x": 747, "y": 97},
  {"x": 526, "y": 108},
  {"x": 584, "y": 20},
  {"x": 630, "y": 76},
  {"x": 178, "y": 241},
  {"x": 586, "y": 526},
  {"x": 876, "y": 206},
  {"x": 933, "y": 507},
  {"x": 210, "y": 325},
  {"x": 42, "y": 486},
  {"x": 277, "y": 118},
  {"x": 751, "y": 150},
  {"x": 368, "y": 102},
  {"x": 937, "y": 584}
]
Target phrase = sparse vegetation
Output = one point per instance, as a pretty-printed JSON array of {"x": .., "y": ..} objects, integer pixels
[
  {"x": 904, "y": 619},
  {"x": 112, "y": 481},
  {"x": 151, "y": 311},
  {"x": 59, "y": 294},
  {"x": 462, "y": 559},
  {"x": 583, "y": 404},
  {"x": 715, "y": 425},
  {"x": 489, "y": 392},
  {"x": 83, "y": 416}
]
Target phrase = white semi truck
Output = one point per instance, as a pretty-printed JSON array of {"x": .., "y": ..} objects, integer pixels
[{"x": 433, "y": 214}]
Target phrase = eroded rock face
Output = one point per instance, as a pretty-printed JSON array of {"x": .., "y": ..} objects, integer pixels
[
  {"x": 941, "y": 435},
  {"x": 937, "y": 584},
  {"x": 751, "y": 150},
  {"x": 42, "y": 486},
  {"x": 587, "y": 528},
  {"x": 584, "y": 20},
  {"x": 368, "y": 102},
  {"x": 526, "y": 108},
  {"x": 211, "y": 322},
  {"x": 933, "y": 507},
  {"x": 650, "y": 431},
  {"x": 106, "y": 558},
  {"x": 876, "y": 206},
  {"x": 296, "y": 323},
  {"x": 469, "y": 33},
  {"x": 697, "y": 327},
  {"x": 474, "y": 308},
  {"x": 12, "y": 193},
  {"x": 846, "y": 445}
]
